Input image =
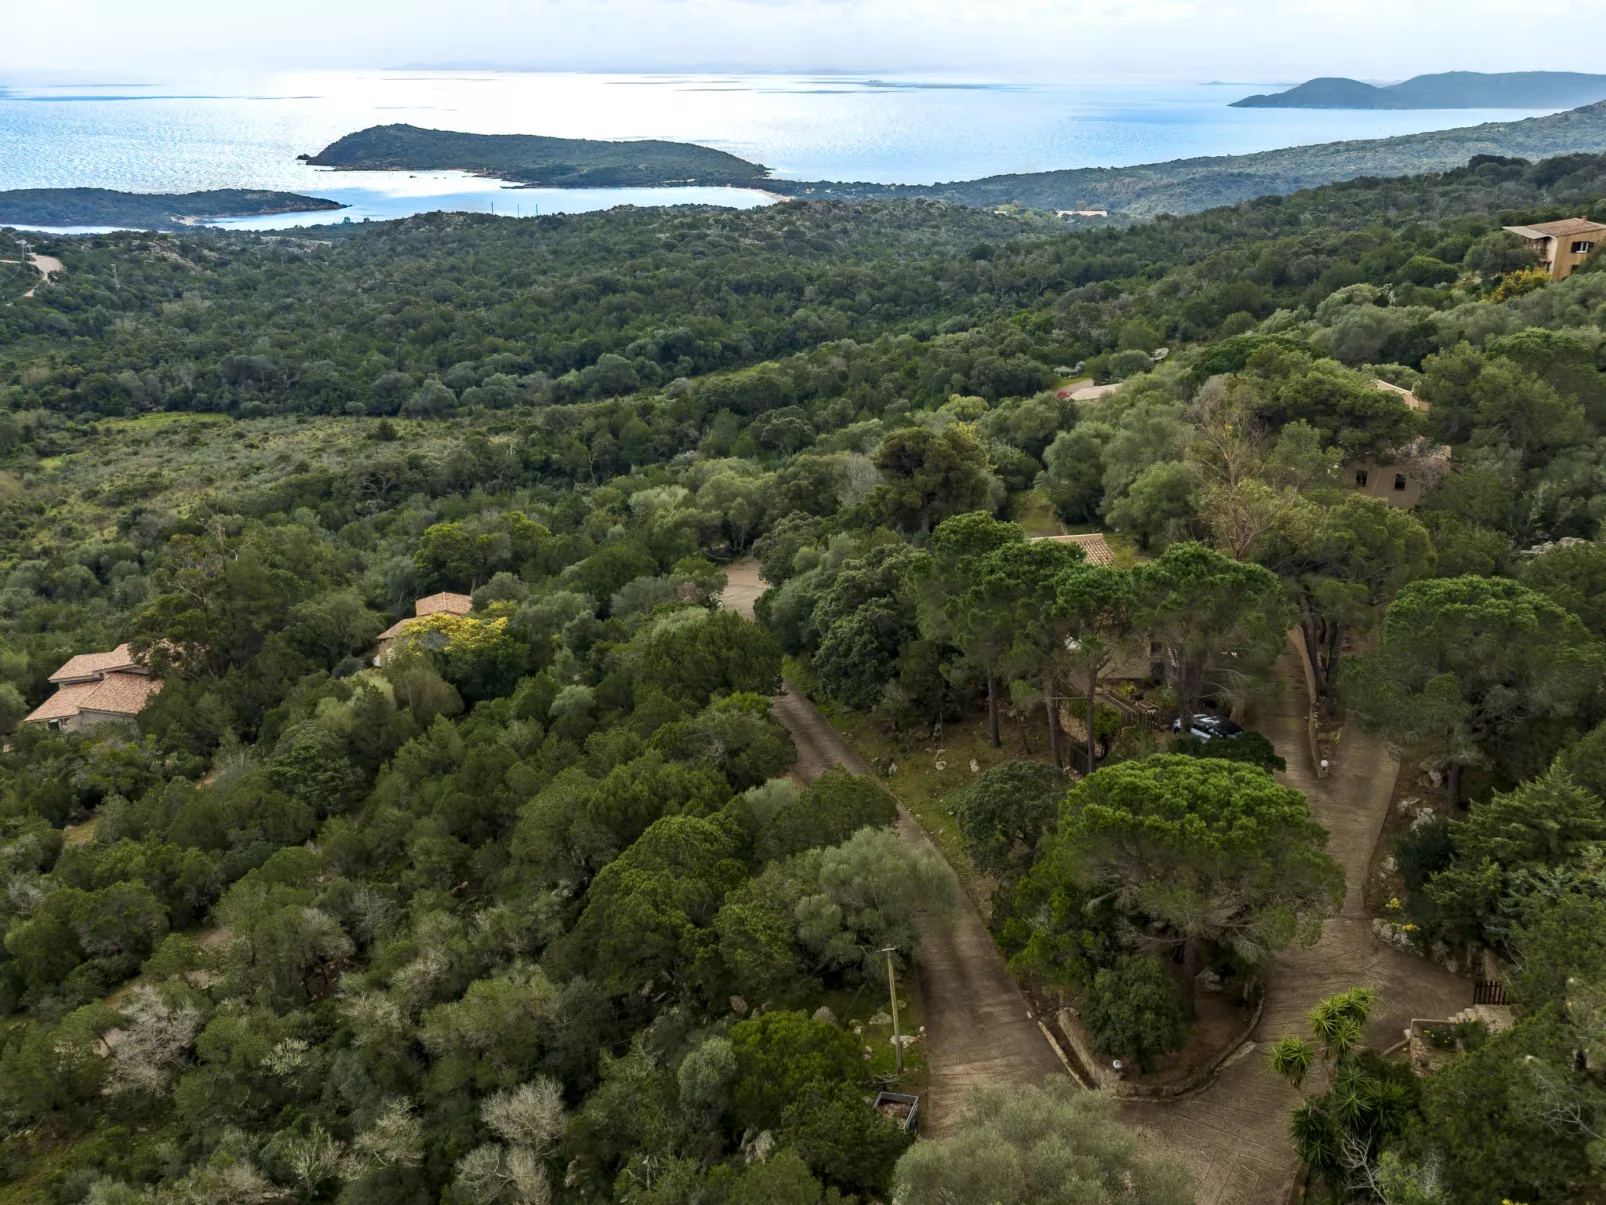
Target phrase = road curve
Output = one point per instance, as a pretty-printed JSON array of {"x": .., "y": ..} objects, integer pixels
[
  {"x": 979, "y": 1028},
  {"x": 1233, "y": 1137}
]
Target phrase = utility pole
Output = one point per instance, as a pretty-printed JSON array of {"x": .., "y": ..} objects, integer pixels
[{"x": 892, "y": 990}]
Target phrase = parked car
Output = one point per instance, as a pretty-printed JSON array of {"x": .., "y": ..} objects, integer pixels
[{"x": 1208, "y": 727}]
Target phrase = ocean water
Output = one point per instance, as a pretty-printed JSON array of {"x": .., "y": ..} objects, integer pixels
[{"x": 235, "y": 131}]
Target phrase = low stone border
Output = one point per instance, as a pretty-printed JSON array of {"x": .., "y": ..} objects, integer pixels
[
  {"x": 1169, "y": 1093},
  {"x": 1296, "y": 638}
]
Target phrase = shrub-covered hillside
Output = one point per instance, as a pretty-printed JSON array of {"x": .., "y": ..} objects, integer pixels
[{"x": 530, "y": 910}]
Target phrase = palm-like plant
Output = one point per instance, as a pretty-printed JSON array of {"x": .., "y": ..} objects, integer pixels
[
  {"x": 1292, "y": 1058},
  {"x": 1338, "y": 1134},
  {"x": 1339, "y": 1021}
]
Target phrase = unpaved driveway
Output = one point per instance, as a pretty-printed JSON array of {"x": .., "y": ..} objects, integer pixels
[
  {"x": 978, "y": 1026},
  {"x": 48, "y": 266},
  {"x": 1233, "y": 1137}
]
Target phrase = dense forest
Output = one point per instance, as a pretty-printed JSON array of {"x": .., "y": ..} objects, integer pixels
[{"x": 528, "y": 909}]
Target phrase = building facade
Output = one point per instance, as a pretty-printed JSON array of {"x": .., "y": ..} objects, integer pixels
[{"x": 1561, "y": 246}]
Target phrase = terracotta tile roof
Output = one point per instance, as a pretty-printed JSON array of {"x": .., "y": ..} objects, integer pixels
[
  {"x": 120, "y": 694},
  {"x": 93, "y": 665},
  {"x": 63, "y": 704},
  {"x": 455, "y": 604},
  {"x": 1567, "y": 226},
  {"x": 1410, "y": 399},
  {"x": 396, "y": 629},
  {"x": 115, "y": 694},
  {"x": 1094, "y": 547}
]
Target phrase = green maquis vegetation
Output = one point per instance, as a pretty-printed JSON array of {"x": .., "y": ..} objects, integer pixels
[
  {"x": 1190, "y": 185},
  {"x": 516, "y": 903},
  {"x": 532, "y": 159},
  {"x": 156, "y": 211}
]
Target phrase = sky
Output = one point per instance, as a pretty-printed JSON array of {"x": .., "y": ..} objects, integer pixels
[{"x": 1229, "y": 40}]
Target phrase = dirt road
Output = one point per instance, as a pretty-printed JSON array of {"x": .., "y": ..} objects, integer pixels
[
  {"x": 47, "y": 266},
  {"x": 978, "y": 1026},
  {"x": 1233, "y": 1137}
]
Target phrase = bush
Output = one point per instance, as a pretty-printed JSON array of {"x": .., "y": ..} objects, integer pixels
[
  {"x": 780, "y": 1056},
  {"x": 1132, "y": 1010},
  {"x": 1249, "y": 747},
  {"x": 1425, "y": 270},
  {"x": 1423, "y": 851},
  {"x": 829, "y": 811},
  {"x": 1124, "y": 364},
  {"x": 1007, "y": 810}
]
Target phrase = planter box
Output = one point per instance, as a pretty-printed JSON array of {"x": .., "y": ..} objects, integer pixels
[{"x": 900, "y": 1107}]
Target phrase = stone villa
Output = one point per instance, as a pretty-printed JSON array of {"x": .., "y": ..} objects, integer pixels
[{"x": 435, "y": 604}]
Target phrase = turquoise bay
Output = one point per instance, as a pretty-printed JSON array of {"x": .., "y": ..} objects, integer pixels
[{"x": 235, "y": 131}]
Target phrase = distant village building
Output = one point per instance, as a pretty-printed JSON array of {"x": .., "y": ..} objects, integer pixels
[
  {"x": 435, "y": 604},
  {"x": 1561, "y": 246},
  {"x": 94, "y": 688}
]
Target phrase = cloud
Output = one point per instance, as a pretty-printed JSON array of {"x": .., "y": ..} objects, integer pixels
[{"x": 1040, "y": 39}]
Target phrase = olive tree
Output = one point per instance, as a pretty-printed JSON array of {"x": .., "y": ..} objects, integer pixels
[{"x": 1055, "y": 1145}]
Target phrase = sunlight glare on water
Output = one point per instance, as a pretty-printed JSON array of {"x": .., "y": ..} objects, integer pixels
[{"x": 242, "y": 132}]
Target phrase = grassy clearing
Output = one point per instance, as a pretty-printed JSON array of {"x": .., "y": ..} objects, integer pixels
[
  {"x": 163, "y": 419},
  {"x": 1036, "y": 515},
  {"x": 864, "y": 1010},
  {"x": 931, "y": 773}
]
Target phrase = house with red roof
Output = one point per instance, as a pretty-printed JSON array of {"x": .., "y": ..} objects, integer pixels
[{"x": 95, "y": 688}]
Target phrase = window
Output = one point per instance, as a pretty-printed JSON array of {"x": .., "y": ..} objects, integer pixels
[
  {"x": 1399, "y": 481},
  {"x": 1360, "y": 477},
  {"x": 1583, "y": 247}
]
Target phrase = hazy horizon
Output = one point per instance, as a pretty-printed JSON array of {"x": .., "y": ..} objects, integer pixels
[{"x": 1226, "y": 40}]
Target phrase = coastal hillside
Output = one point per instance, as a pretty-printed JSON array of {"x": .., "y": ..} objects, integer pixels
[
  {"x": 533, "y": 159},
  {"x": 1445, "y": 90},
  {"x": 462, "y": 858},
  {"x": 148, "y": 211},
  {"x": 1190, "y": 185}
]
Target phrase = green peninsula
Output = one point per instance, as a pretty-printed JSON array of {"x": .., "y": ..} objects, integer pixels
[
  {"x": 1191, "y": 185},
  {"x": 536, "y": 160},
  {"x": 153, "y": 211}
]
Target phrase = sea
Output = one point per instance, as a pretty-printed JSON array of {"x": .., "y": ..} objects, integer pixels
[{"x": 246, "y": 131}]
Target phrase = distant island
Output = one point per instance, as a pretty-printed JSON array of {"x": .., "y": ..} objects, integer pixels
[
  {"x": 1447, "y": 90},
  {"x": 1189, "y": 185},
  {"x": 145, "y": 210},
  {"x": 538, "y": 161}
]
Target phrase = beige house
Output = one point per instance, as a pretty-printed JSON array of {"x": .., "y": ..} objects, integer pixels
[
  {"x": 94, "y": 688},
  {"x": 435, "y": 604},
  {"x": 1393, "y": 483},
  {"x": 1561, "y": 246},
  {"x": 1401, "y": 482}
]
